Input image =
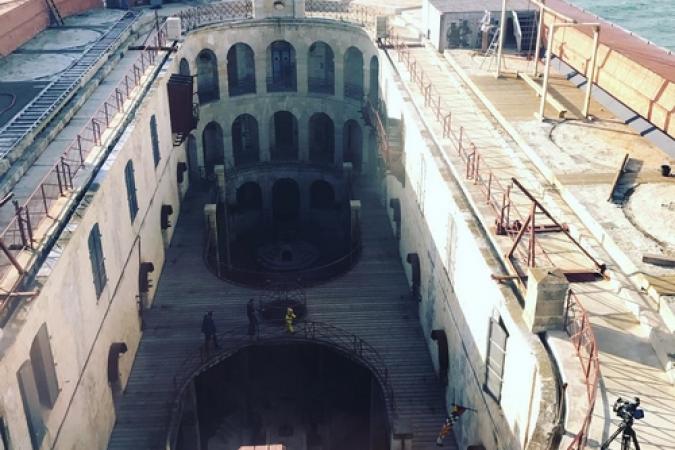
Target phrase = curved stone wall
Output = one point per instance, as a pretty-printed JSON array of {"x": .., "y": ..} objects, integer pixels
[{"x": 337, "y": 94}]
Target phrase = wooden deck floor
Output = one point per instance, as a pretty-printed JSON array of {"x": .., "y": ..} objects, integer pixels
[{"x": 370, "y": 301}]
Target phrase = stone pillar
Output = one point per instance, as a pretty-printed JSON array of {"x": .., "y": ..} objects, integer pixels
[
  {"x": 348, "y": 174},
  {"x": 303, "y": 137},
  {"x": 339, "y": 75},
  {"x": 545, "y": 299},
  {"x": 211, "y": 221},
  {"x": 355, "y": 220},
  {"x": 264, "y": 124},
  {"x": 260, "y": 59},
  {"x": 338, "y": 130},
  {"x": 228, "y": 149},
  {"x": 302, "y": 68},
  {"x": 219, "y": 172},
  {"x": 401, "y": 435}
]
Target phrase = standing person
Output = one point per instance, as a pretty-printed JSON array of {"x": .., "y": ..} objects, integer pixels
[
  {"x": 252, "y": 319},
  {"x": 209, "y": 330},
  {"x": 290, "y": 316}
]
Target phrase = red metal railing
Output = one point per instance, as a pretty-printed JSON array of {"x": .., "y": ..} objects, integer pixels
[
  {"x": 36, "y": 210},
  {"x": 578, "y": 327},
  {"x": 514, "y": 207}
]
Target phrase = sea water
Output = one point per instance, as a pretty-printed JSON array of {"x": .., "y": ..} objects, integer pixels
[{"x": 653, "y": 20}]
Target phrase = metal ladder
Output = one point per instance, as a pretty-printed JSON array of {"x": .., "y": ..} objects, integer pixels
[
  {"x": 491, "y": 52},
  {"x": 55, "y": 14},
  {"x": 57, "y": 92}
]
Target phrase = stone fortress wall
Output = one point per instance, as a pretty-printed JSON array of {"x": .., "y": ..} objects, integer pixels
[
  {"x": 82, "y": 326},
  {"x": 459, "y": 297}
]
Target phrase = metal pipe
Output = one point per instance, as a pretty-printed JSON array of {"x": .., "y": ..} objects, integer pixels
[
  {"x": 590, "y": 76},
  {"x": 502, "y": 31},
  {"x": 547, "y": 69}
]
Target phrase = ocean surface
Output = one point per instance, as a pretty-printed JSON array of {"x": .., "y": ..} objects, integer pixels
[{"x": 651, "y": 19}]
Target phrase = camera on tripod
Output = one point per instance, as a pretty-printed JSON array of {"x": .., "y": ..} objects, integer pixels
[{"x": 627, "y": 410}]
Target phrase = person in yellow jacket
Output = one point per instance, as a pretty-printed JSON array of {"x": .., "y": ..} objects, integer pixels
[{"x": 290, "y": 316}]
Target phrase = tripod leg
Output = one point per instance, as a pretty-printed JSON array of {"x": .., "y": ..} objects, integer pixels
[
  {"x": 605, "y": 445},
  {"x": 633, "y": 435}
]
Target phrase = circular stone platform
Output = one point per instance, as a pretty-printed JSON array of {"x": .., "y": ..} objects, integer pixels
[
  {"x": 56, "y": 39},
  {"x": 652, "y": 208},
  {"x": 24, "y": 67},
  {"x": 287, "y": 256}
]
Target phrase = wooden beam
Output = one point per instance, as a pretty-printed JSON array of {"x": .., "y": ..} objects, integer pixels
[
  {"x": 562, "y": 110},
  {"x": 659, "y": 260}
]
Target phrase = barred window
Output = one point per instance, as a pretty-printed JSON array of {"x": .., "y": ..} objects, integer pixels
[
  {"x": 97, "y": 260},
  {"x": 131, "y": 189},
  {"x": 155, "y": 140},
  {"x": 496, "y": 355}
]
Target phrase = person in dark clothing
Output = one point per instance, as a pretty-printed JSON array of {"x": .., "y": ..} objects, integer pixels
[
  {"x": 209, "y": 330},
  {"x": 252, "y": 319}
]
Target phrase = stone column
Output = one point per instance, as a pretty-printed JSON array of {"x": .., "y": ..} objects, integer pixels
[
  {"x": 401, "y": 435},
  {"x": 355, "y": 220},
  {"x": 545, "y": 299},
  {"x": 212, "y": 230},
  {"x": 301, "y": 67},
  {"x": 219, "y": 172},
  {"x": 339, "y": 75},
  {"x": 303, "y": 137}
]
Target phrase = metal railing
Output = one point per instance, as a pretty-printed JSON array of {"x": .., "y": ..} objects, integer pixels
[
  {"x": 512, "y": 204},
  {"x": 211, "y": 13},
  {"x": 578, "y": 327},
  {"x": 234, "y": 340},
  {"x": 36, "y": 211}
]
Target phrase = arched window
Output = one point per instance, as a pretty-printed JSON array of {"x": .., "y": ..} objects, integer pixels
[
  {"x": 284, "y": 136},
  {"x": 97, "y": 260},
  {"x": 352, "y": 142},
  {"x": 373, "y": 90},
  {"x": 321, "y": 69},
  {"x": 321, "y": 195},
  {"x": 245, "y": 140},
  {"x": 184, "y": 67},
  {"x": 353, "y": 68},
  {"x": 207, "y": 76},
  {"x": 281, "y": 76},
  {"x": 154, "y": 138},
  {"x": 285, "y": 200},
  {"x": 214, "y": 149},
  {"x": 249, "y": 197},
  {"x": 321, "y": 139},
  {"x": 240, "y": 70}
]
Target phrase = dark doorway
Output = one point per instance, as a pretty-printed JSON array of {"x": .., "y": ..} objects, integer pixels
[
  {"x": 443, "y": 355},
  {"x": 353, "y": 74},
  {"x": 249, "y": 197},
  {"x": 207, "y": 76},
  {"x": 321, "y": 69},
  {"x": 192, "y": 160},
  {"x": 240, "y": 70},
  {"x": 245, "y": 140},
  {"x": 322, "y": 195},
  {"x": 184, "y": 67},
  {"x": 321, "y": 139},
  {"x": 304, "y": 395},
  {"x": 214, "y": 149},
  {"x": 373, "y": 90},
  {"x": 286, "y": 200},
  {"x": 352, "y": 141},
  {"x": 281, "y": 71},
  {"x": 284, "y": 136}
]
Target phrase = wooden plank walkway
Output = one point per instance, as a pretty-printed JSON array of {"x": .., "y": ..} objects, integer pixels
[{"x": 371, "y": 301}]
